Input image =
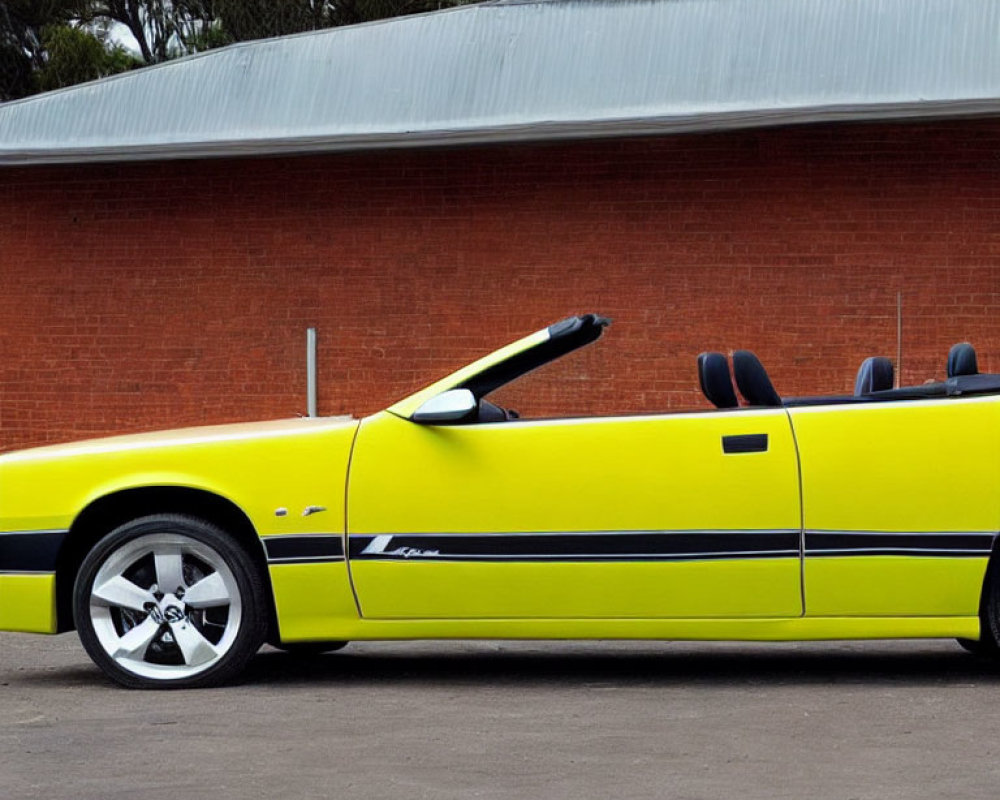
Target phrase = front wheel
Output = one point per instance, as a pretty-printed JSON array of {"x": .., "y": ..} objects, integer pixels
[{"x": 169, "y": 602}]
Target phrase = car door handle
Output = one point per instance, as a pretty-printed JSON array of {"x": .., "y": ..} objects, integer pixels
[{"x": 745, "y": 443}]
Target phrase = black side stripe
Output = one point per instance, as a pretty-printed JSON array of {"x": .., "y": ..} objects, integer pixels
[
  {"x": 872, "y": 543},
  {"x": 37, "y": 551},
  {"x": 662, "y": 545},
  {"x": 304, "y": 548},
  {"x": 30, "y": 551},
  {"x": 576, "y": 546}
]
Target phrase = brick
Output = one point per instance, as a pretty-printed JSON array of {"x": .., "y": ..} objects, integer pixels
[{"x": 140, "y": 296}]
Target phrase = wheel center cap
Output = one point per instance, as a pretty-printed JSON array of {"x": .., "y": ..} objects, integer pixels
[{"x": 169, "y": 609}]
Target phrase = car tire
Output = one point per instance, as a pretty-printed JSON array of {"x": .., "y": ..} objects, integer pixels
[
  {"x": 979, "y": 647},
  {"x": 306, "y": 649},
  {"x": 988, "y": 643},
  {"x": 169, "y": 602}
]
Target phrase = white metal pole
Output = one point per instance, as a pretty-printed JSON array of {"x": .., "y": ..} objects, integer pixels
[
  {"x": 311, "y": 371},
  {"x": 899, "y": 337}
]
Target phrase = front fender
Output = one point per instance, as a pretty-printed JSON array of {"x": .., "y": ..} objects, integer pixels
[{"x": 288, "y": 467}]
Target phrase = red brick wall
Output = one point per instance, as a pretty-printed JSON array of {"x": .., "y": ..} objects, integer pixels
[{"x": 139, "y": 296}]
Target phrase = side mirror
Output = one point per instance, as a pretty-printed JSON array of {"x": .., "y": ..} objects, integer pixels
[{"x": 450, "y": 406}]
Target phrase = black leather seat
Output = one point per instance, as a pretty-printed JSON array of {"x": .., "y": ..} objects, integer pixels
[
  {"x": 962, "y": 360},
  {"x": 716, "y": 381},
  {"x": 874, "y": 375},
  {"x": 752, "y": 380}
]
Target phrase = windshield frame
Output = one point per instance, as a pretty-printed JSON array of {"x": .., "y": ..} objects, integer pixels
[{"x": 489, "y": 373}]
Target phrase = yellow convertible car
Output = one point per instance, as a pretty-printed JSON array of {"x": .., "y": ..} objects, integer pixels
[{"x": 176, "y": 555}]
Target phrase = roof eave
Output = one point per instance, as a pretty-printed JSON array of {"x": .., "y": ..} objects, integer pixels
[{"x": 701, "y": 122}]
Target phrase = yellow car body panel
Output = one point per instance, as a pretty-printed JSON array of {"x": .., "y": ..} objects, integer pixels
[
  {"x": 313, "y": 602},
  {"x": 894, "y": 586},
  {"x": 582, "y": 490},
  {"x": 905, "y": 488},
  {"x": 257, "y": 466},
  {"x": 28, "y": 603},
  {"x": 926, "y": 465},
  {"x": 614, "y": 590}
]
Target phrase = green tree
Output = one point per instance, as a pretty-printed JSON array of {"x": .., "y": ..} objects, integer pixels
[
  {"x": 165, "y": 29},
  {"x": 22, "y": 52},
  {"x": 162, "y": 29},
  {"x": 74, "y": 55},
  {"x": 260, "y": 19}
]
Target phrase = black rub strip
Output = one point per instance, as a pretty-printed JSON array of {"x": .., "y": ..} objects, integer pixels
[
  {"x": 570, "y": 546},
  {"x": 34, "y": 551},
  {"x": 582, "y": 558},
  {"x": 304, "y": 548}
]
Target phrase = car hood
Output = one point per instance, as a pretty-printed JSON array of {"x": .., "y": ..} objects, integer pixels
[{"x": 243, "y": 431}]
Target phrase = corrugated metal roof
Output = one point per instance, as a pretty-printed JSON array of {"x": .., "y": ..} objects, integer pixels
[{"x": 528, "y": 70}]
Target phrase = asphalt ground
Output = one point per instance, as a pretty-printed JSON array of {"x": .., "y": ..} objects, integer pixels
[{"x": 513, "y": 720}]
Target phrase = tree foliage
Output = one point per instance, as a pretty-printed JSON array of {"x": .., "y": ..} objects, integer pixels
[
  {"x": 260, "y": 19},
  {"x": 22, "y": 52},
  {"x": 162, "y": 29},
  {"x": 74, "y": 55}
]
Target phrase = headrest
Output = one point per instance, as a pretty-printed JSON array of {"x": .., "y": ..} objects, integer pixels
[
  {"x": 874, "y": 375},
  {"x": 962, "y": 360},
  {"x": 716, "y": 382},
  {"x": 752, "y": 380}
]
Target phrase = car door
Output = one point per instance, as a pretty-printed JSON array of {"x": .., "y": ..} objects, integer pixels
[
  {"x": 900, "y": 505},
  {"x": 683, "y": 515}
]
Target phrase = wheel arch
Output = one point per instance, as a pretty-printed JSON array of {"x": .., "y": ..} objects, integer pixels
[
  {"x": 106, "y": 513},
  {"x": 989, "y": 576}
]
